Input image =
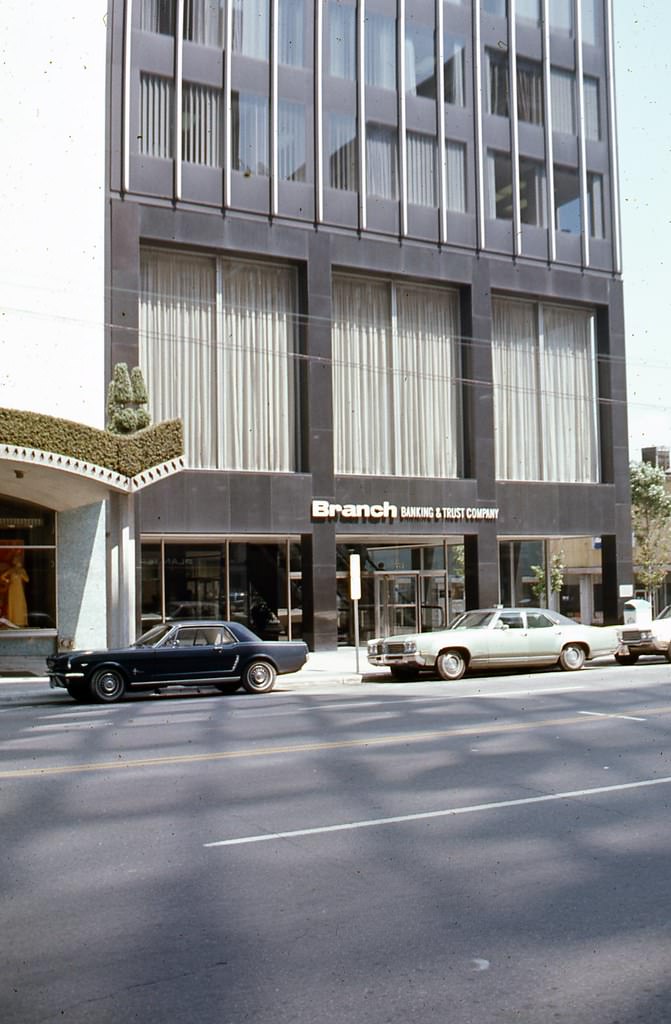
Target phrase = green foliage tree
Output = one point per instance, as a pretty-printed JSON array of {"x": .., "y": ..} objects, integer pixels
[
  {"x": 651, "y": 524},
  {"x": 538, "y": 586},
  {"x": 127, "y": 401}
]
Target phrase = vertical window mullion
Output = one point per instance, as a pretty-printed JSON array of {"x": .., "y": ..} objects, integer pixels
[
  {"x": 542, "y": 404},
  {"x": 274, "y": 107},
  {"x": 514, "y": 129},
  {"x": 440, "y": 122},
  {"x": 549, "y": 150},
  {"x": 402, "y": 141},
  {"x": 179, "y": 57},
  {"x": 319, "y": 121},
  {"x": 582, "y": 152},
  {"x": 479, "y": 153},
  {"x": 361, "y": 112}
]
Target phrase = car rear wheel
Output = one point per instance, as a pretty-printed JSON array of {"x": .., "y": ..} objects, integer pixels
[
  {"x": 259, "y": 677},
  {"x": 107, "y": 686},
  {"x": 629, "y": 659},
  {"x": 228, "y": 687},
  {"x": 451, "y": 665},
  {"x": 572, "y": 658}
]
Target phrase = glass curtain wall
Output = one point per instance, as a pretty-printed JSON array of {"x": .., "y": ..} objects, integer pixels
[{"x": 395, "y": 379}]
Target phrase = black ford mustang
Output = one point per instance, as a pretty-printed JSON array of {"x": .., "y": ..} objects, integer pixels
[{"x": 225, "y": 655}]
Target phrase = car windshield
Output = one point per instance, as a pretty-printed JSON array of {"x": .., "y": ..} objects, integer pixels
[
  {"x": 153, "y": 636},
  {"x": 473, "y": 620}
]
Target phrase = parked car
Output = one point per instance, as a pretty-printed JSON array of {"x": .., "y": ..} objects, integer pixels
[
  {"x": 645, "y": 638},
  {"x": 492, "y": 638},
  {"x": 225, "y": 655}
]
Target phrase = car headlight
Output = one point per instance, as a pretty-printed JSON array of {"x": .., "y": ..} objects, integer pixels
[{"x": 410, "y": 647}]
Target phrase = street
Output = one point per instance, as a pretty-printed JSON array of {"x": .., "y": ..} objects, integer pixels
[{"x": 492, "y": 851}]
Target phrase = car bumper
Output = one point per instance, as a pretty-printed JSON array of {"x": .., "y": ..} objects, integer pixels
[
  {"x": 653, "y": 646},
  {"x": 64, "y": 679},
  {"x": 409, "y": 660}
]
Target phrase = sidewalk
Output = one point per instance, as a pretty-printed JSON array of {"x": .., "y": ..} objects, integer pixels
[{"x": 339, "y": 666}]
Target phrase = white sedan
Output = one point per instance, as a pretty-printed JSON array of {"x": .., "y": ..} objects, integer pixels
[{"x": 489, "y": 638}]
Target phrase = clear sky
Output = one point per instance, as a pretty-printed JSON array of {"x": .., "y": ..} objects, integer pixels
[{"x": 643, "y": 89}]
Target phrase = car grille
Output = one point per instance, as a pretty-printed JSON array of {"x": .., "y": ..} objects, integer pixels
[
  {"x": 394, "y": 648},
  {"x": 631, "y": 636}
]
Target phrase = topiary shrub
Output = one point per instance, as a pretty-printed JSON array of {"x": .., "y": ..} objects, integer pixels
[{"x": 127, "y": 401}]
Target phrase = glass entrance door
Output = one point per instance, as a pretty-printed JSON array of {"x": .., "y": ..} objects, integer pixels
[{"x": 396, "y": 603}]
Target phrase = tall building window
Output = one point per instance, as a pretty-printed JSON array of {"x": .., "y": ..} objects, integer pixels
[
  {"x": 595, "y": 206},
  {"x": 563, "y": 101},
  {"x": 589, "y": 22},
  {"x": 528, "y": 10},
  {"x": 204, "y": 22},
  {"x": 498, "y": 90},
  {"x": 456, "y": 176},
  {"x": 561, "y": 16},
  {"x": 217, "y": 347},
  {"x": 381, "y": 161},
  {"x": 420, "y": 60},
  {"x": 529, "y": 92},
  {"x": 251, "y": 21},
  {"x": 454, "y": 72},
  {"x": 202, "y": 139},
  {"x": 291, "y": 48},
  {"x": 156, "y": 117},
  {"x": 545, "y": 401},
  {"x": 341, "y": 40},
  {"x": 422, "y": 185},
  {"x": 592, "y": 118},
  {"x": 250, "y": 133},
  {"x": 291, "y": 153},
  {"x": 498, "y": 7},
  {"x": 499, "y": 186},
  {"x": 395, "y": 379},
  {"x": 158, "y": 16},
  {"x": 380, "y": 51},
  {"x": 533, "y": 193},
  {"x": 568, "y": 217},
  {"x": 343, "y": 152}
]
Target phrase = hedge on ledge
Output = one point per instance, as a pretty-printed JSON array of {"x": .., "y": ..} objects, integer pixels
[{"x": 128, "y": 455}]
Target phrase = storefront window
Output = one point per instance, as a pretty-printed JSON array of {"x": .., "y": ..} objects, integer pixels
[{"x": 27, "y": 567}]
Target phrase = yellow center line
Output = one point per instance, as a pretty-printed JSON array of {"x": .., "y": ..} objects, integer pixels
[{"x": 397, "y": 739}]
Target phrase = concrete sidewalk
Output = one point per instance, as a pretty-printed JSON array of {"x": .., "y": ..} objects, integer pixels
[{"x": 339, "y": 666}]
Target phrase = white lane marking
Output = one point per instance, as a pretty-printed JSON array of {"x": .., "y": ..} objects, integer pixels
[
  {"x": 448, "y": 812},
  {"x": 480, "y": 964},
  {"x": 606, "y": 714},
  {"x": 65, "y": 726}
]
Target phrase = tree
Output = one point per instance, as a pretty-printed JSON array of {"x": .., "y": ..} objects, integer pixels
[
  {"x": 538, "y": 586},
  {"x": 127, "y": 401},
  {"x": 651, "y": 520}
]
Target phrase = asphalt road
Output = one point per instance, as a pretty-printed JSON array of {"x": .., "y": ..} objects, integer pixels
[{"x": 494, "y": 851}]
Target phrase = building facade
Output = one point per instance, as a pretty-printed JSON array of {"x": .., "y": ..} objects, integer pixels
[{"x": 369, "y": 252}]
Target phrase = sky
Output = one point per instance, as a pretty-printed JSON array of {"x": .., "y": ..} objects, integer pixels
[{"x": 642, "y": 29}]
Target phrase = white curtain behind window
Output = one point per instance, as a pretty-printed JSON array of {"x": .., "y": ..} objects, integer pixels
[
  {"x": 380, "y": 51},
  {"x": 395, "y": 380},
  {"x": 203, "y": 22},
  {"x": 570, "y": 438},
  {"x": 291, "y": 33},
  {"x": 563, "y": 101},
  {"x": 341, "y": 40},
  {"x": 425, "y": 383},
  {"x": 421, "y": 169},
  {"x": 516, "y": 391},
  {"x": 257, "y": 346},
  {"x": 592, "y": 119},
  {"x": 156, "y": 117},
  {"x": 361, "y": 381},
  {"x": 177, "y": 347},
  {"x": 250, "y": 28},
  {"x": 453, "y": 70},
  {"x": 456, "y": 176},
  {"x": 381, "y": 161},
  {"x": 201, "y": 125}
]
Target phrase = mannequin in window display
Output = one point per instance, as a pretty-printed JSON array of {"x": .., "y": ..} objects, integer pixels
[{"x": 14, "y": 579}]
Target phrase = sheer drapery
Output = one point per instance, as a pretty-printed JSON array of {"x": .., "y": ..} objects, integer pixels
[
  {"x": 516, "y": 390},
  {"x": 533, "y": 193},
  {"x": 592, "y": 118},
  {"x": 177, "y": 347},
  {"x": 157, "y": 16},
  {"x": 230, "y": 374},
  {"x": 342, "y": 152},
  {"x": 421, "y": 169},
  {"x": 201, "y": 125},
  {"x": 291, "y": 33},
  {"x": 569, "y": 395},
  {"x": 561, "y": 16},
  {"x": 381, "y": 161},
  {"x": 529, "y": 92},
  {"x": 563, "y": 101},
  {"x": 380, "y": 51},
  {"x": 544, "y": 393},
  {"x": 499, "y": 186},
  {"x": 341, "y": 43},
  {"x": 395, "y": 379},
  {"x": 498, "y": 92},
  {"x": 456, "y": 176},
  {"x": 420, "y": 60},
  {"x": 156, "y": 117},
  {"x": 257, "y": 421},
  {"x": 595, "y": 206},
  {"x": 204, "y": 22},
  {"x": 251, "y": 22}
]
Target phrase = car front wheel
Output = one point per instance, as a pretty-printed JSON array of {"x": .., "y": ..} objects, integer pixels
[
  {"x": 572, "y": 658},
  {"x": 79, "y": 692},
  {"x": 258, "y": 677},
  {"x": 627, "y": 659},
  {"x": 451, "y": 665},
  {"x": 107, "y": 686}
]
